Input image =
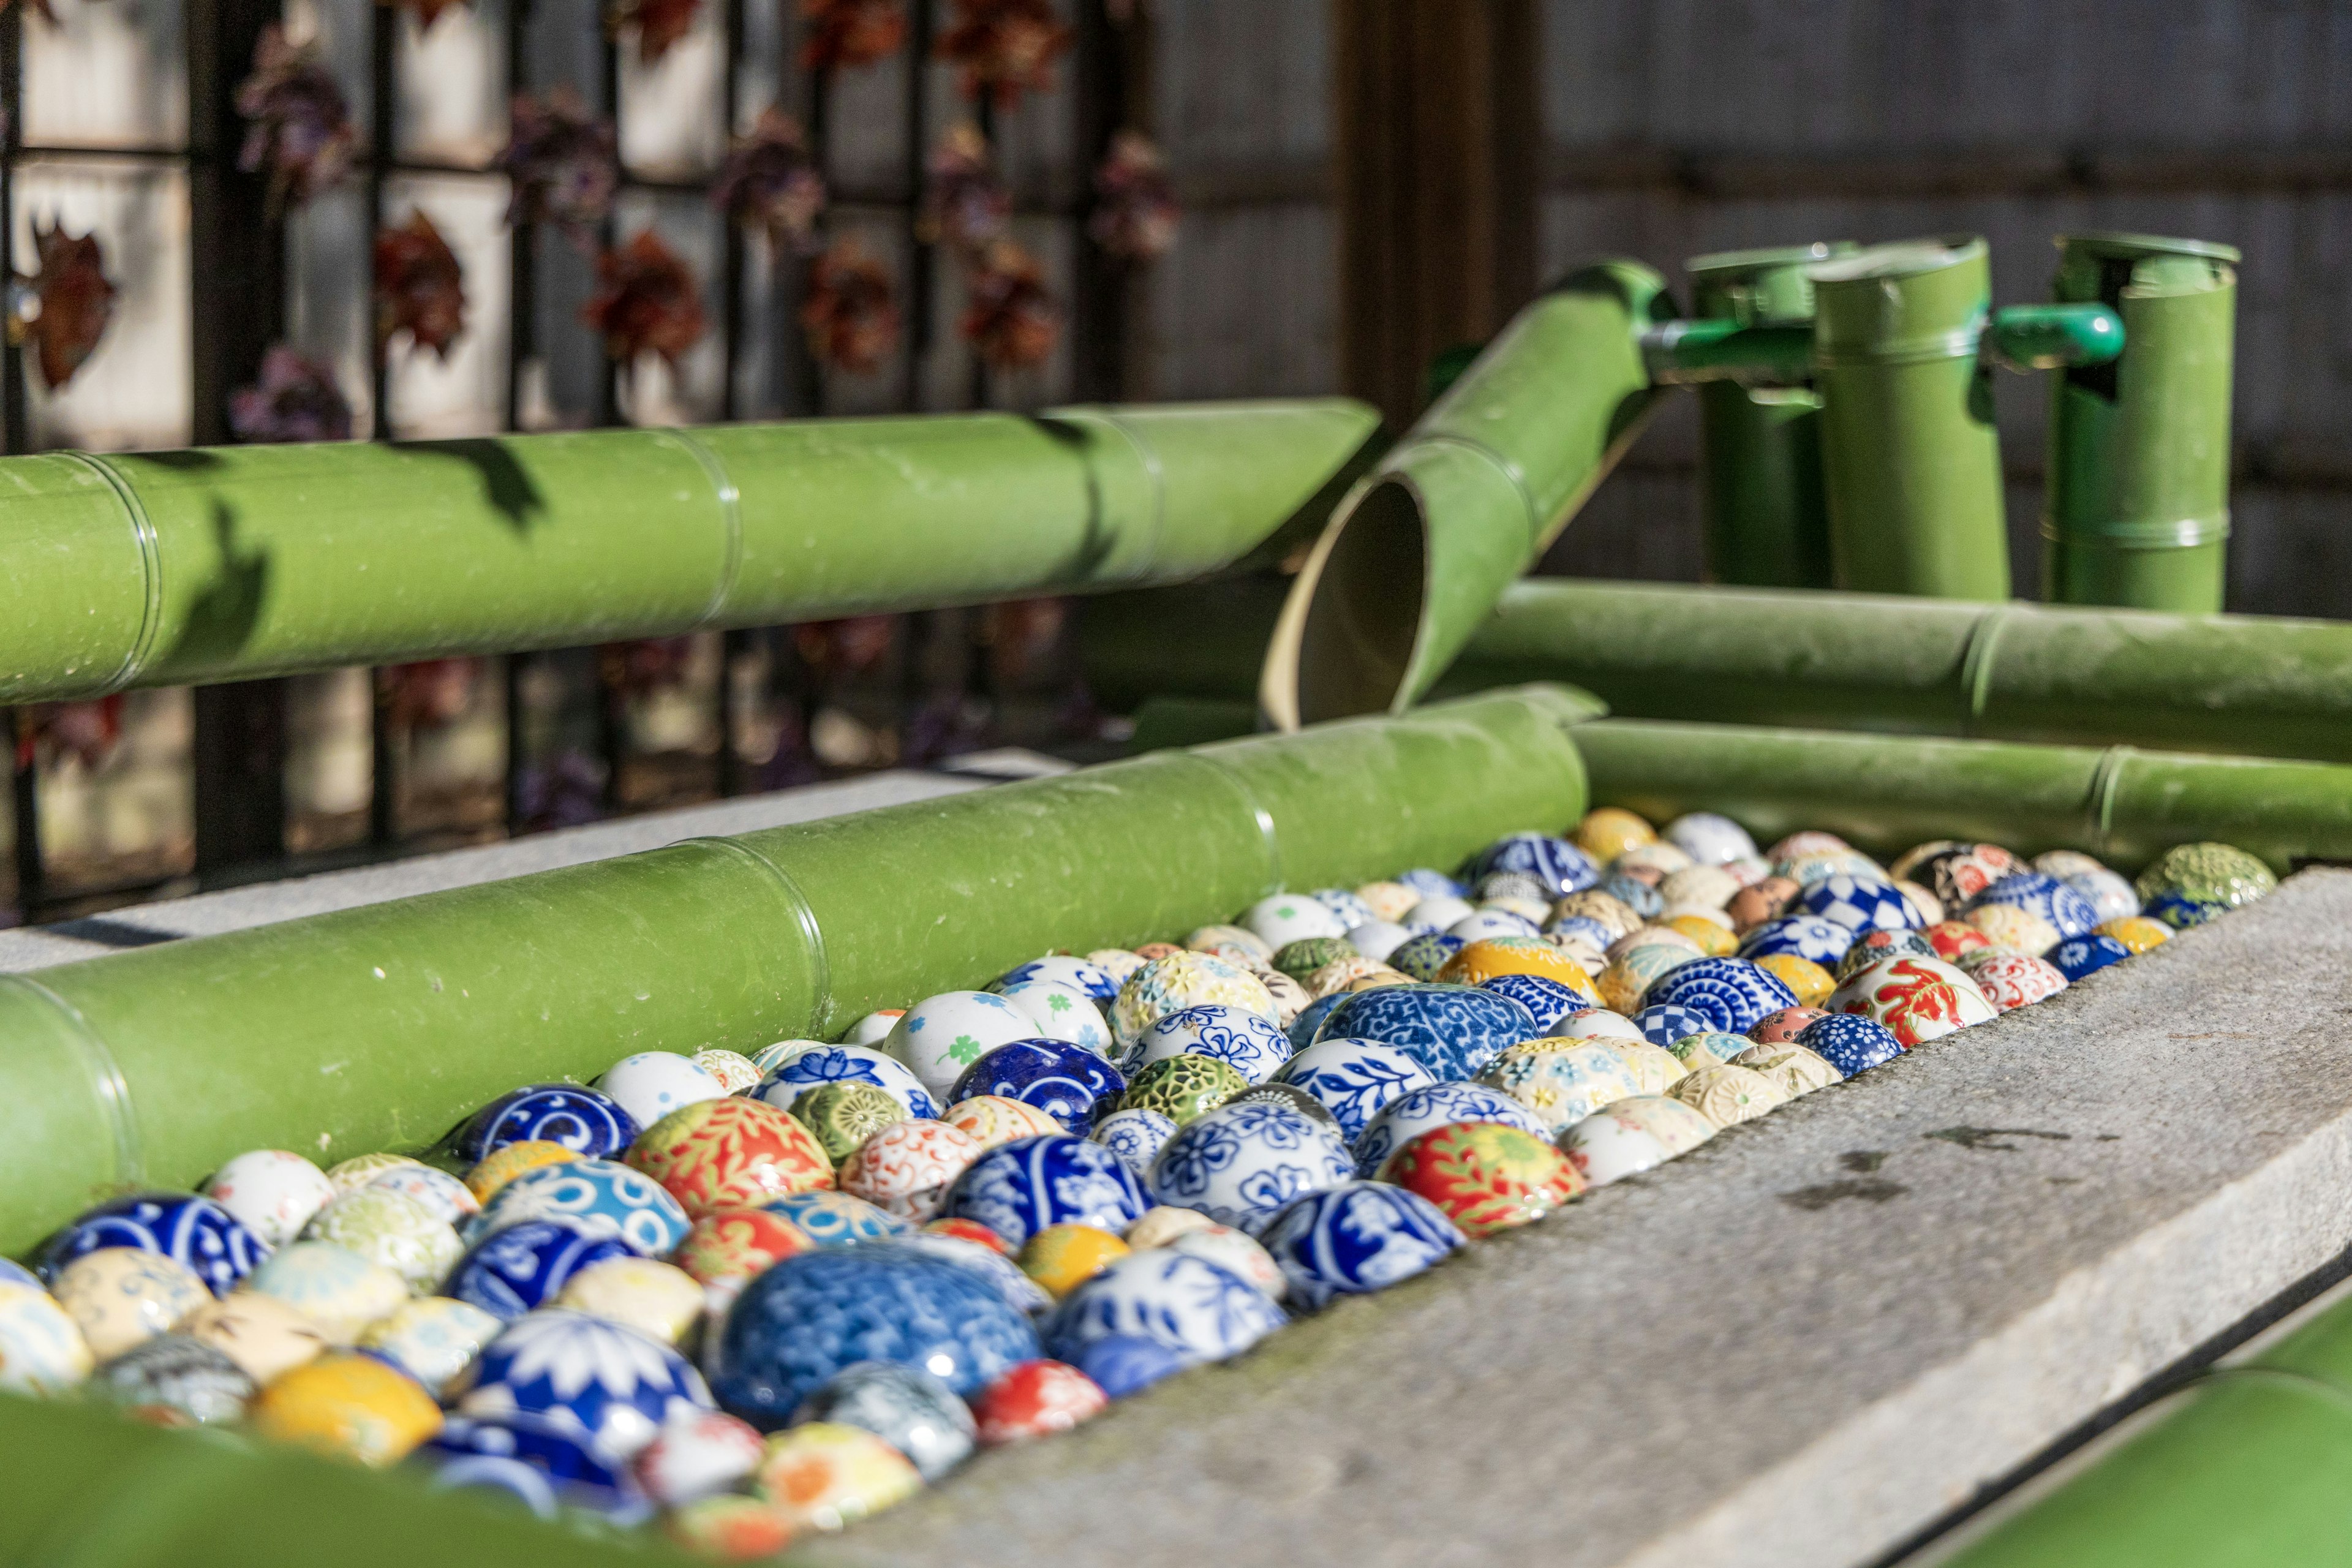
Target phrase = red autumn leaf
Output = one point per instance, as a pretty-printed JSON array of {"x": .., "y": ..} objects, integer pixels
[
  {"x": 426, "y": 11},
  {"x": 430, "y": 693},
  {"x": 849, "y": 311},
  {"x": 965, "y": 205},
  {"x": 297, "y": 124},
  {"x": 646, "y": 299},
  {"x": 297, "y": 399},
  {"x": 1004, "y": 48},
  {"x": 1010, "y": 316},
  {"x": 419, "y": 287},
  {"x": 1136, "y": 215},
  {"x": 561, "y": 161},
  {"x": 837, "y": 34},
  {"x": 659, "y": 24},
  {"x": 63, "y": 308},
  {"x": 770, "y": 181}
]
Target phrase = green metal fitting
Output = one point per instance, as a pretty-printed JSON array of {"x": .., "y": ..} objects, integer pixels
[
  {"x": 1415, "y": 557},
  {"x": 2137, "y": 505},
  {"x": 1760, "y": 445},
  {"x": 1910, "y": 456},
  {"x": 382, "y": 1027},
  {"x": 2056, "y": 337},
  {"x": 240, "y": 561},
  {"x": 1682, "y": 353}
]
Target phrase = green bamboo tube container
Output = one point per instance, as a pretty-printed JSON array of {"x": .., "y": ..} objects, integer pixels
[
  {"x": 382, "y": 1027},
  {"x": 242, "y": 561},
  {"x": 1417, "y": 555},
  {"x": 1911, "y": 459},
  {"x": 2137, "y": 508},
  {"x": 1760, "y": 446}
]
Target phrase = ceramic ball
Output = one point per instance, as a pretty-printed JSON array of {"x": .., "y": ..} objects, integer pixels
[{"x": 272, "y": 1193}]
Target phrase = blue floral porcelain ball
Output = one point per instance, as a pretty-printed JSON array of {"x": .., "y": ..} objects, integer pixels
[
  {"x": 1356, "y": 1237},
  {"x": 798, "y": 1325},
  {"x": 1547, "y": 1001},
  {"x": 602, "y": 1197},
  {"x": 187, "y": 1229},
  {"x": 848, "y": 1064},
  {"x": 1355, "y": 1080},
  {"x": 1253, "y": 1047},
  {"x": 1351, "y": 909},
  {"x": 1635, "y": 894},
  {"x": 1188, "y": 1305},
  {"x": 2067, "y": 910},
  {"x": 1122, "y": 1364},
  {"x": 1859, "y": 903},
  {"x": 539, "y": 1461},
  {"x": 1422, "y": 956},
  {"x": 1068, "y": 1082},
  {"x": 526, "y": 1266},
  {"x": 1241, "y": 1163},
  {"x": 1025, "y": 1295},
  {"x": 1431, "y": 884},
  {"x": 581, "y": 1120},
  {"x": 1441, "y": 1105},
  {"x": 2087, "y": 955},
  {"x": 611, "y": 1387},
  {"x": 1019, "y": 1188},
  {"x": 907, "y": 1408},
  {"x": 1732, "y": 992},
  {"x": 1582, "y": 927},
  {"x": 1808, "y": 937},
  {"x": 1559, "y": 866},
  {"x": 1308, "y": 1025},
  {"x": 1135, "y": 1136},
  {"x": 1063, "y": 970},
  {"x": 1451, "y": 1030},
  {"x": 1850, "y": 1042},
  {"x": 837, "y": 1219},
  {"x": 1661, "y": 1024}
]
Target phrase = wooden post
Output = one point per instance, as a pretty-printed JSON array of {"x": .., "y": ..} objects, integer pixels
[{"x": 1436, "y": 149}]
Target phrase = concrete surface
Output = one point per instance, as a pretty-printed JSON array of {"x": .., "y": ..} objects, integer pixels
[
  {"x": 1798, "y": 1345},
  {"x": 207, "y": 915}
]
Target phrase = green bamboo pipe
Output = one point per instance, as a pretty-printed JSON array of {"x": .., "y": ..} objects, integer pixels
[
  {"x": 2253, "y": 686},
  {"x": 1911, "y": 460},
  {"x": 1886, "y": 794},
  {"x": 382, "y": 1027},
  {"x": 1415, "y": 556},
  {"x": 89, "y": 1489},
  {"x": 2137, "y": 508},
  {"x": 229, "y": 563},
  {"x": 1760, "y": 445}
]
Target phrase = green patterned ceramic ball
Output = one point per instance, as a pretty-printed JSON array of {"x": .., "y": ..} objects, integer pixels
[
  {"x": 1302, "y": 958},
  {"x": 2192, "y": 883},
  {"x": 845, "y": 1115},
  {"x": 1182, "y": 1087}
]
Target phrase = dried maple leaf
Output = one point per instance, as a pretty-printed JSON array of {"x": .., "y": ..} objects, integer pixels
[
  {"x": 426, "y": 11},
  {"x": 419, "y": 287},
  {"x": 297, "y": 399},
  {"x": 1136, "y": 215},
  {"x": 770, "y": 181},
  {"x": 659, "y": 24},
  {"x": 848, "y": 313},
  {"x": 646, "y": 299},
  {"x": 837, "y": 34},
  {"x": 297, "y": 124},
  {"x": 1010, "y": 316},
  {"x": 1004, "y": 48},
  {"x": 965, "y": 205},
  {"x": 62, "y": 309},
  {"x": 561, "y": 161}
]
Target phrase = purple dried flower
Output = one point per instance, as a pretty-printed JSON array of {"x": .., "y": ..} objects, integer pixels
[{"x": 296, "y": 400}]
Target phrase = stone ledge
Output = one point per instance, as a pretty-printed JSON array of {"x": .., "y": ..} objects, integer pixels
[{"x": 1798, "y": 1345}]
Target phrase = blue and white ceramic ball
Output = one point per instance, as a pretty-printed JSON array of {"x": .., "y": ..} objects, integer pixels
[
  {"x": 192, "y": 1231},
  {"x": 1356, "y": 1237},
  {"x": 1559, "y": 866},
  {"x": 1480, "y": 924},
  {"x": 1355, "y": 1080},
  {"x": 2069, "y": 911},
  {"x": 1876, "y": 947},
  {"x": 1732, "y": 992},
  {"x": 1581, "y": 927},
  {"x": 846, "y": 1064},
  {"x": 1635, "y": 894},
  {"x": 1068, "y": 1082},
  {"x": 940, "y": 1036},
  {"x": 1859, "y": 903},
  {"x": 526, "y": 1266},
  {"x": 581, "y": 1120},
  {"x": 906, "y": 1406},
  {"x": 602, "y": 1197},
  {"x": 798, "y": 1325},
  {"x": 1408, "y": 1116},
  {"x": 611, "y": 1386},
  {"x": 1808, "y": 937},
  {"x": 1547, "y": 1001},
  {"x": 1350, "y": 906},
  {"x": 1136, "y": 1136},
  {"x": 2087, "y": 955},
  {"x": 2111, "y": 896},
  {"x": 834, "y": 1219},
  {"x": 1198, "y": 1310},
  {"x": 1240, "y": 1163},
  {"x": 542, "y": 1463},
  {"x": 1307, "y": 1027},
  {"x": 1025, "y": 1295},
  {"x": 1059, "y": 1011},
  {"x": 1421, "y": 956},
  {"x": 1019, "y": 1188},
  {"x": 1122, "y": 1364},
  {"x": 1709, "y": 839},
  {"x": 1431, "y": 884},
  {"x": 1451, "y": 1030},
  {"x": 1061, "y": 969},
  {"x": 1850, "y": 1042},
  {"x": 1664, "y": 1023},
  {"x": 1253, "y": 1047}
]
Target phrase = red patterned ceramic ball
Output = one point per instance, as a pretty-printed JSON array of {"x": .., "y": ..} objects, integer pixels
[
  {"x": 1036, "y": 1399},
  {"x": 1950, "y": 939},
  {"x": 1782, "y": 1027},
  {"x": 736, "y": 1243},
  {"x": 730, "y": 1154},
  {"x": 1485, "y": 1176},
  {"x": 906, "y": 1168},
  {"x": 970, "y": 1230},
  {"x": 2013, "y": 979}
]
